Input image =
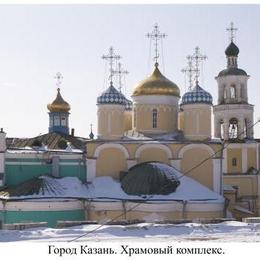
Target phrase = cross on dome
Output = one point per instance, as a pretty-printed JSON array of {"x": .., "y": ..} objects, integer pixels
[
  {"x": 232, "y": 31},
  {"x": 111, "y": 57},
  {"x": 189, "y": 71},
  {"x": 120, "y": 72},
  {"x": 197, "y": 58},
  {"x": 58, "y": 78},
  {"x": 155, "y": 36}
]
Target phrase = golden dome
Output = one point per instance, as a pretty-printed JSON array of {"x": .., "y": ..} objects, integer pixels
[
  {"x": 59, "y": 104},
  {"x": 156, "y": 84}
]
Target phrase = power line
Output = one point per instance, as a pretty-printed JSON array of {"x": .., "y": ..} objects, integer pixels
[{"x": 184, "y": 174}]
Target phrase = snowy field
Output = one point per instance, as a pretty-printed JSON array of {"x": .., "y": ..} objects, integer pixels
[{"x": 230, "y": 231}]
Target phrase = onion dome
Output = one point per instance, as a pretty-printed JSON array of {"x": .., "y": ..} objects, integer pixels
[
  {"x": 197, "y": 95},
  {"x": 128, "y": 105},
  {"x": 232, "y": 69},
  {"x": 156, "y": 84},
  {"x": 150, "y": 178},
  {"x": 232, "y": 50},
  {"x": 59, "y": 104},
  {"x": 111, "y": 96}
]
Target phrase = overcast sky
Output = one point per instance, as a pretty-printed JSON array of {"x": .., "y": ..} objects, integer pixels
[{"x": 38, "y": 41}]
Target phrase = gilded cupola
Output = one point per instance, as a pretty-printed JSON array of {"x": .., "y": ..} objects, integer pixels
[
  {"x": 59, "y": 104},
  {"x": 156, "y": 84}
]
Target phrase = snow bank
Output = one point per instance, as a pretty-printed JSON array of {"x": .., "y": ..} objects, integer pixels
[{"x": 223, "y": 232}]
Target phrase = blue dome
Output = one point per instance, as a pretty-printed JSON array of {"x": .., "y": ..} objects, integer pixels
[
  {"x": 196, "y": 95},
  {"x": 128, "y": 105},
  {"x": 111, "y": 96}
]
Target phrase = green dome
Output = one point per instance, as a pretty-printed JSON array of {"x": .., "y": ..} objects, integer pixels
[
  {"x": 232, "y": 50},
  {"x": 150, "y": 178}
]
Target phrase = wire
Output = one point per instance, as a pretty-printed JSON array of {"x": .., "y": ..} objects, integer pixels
[{"x": 184, "y": 174}]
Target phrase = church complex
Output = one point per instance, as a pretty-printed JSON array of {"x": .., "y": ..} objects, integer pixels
[{"x": 155, "y": 157}]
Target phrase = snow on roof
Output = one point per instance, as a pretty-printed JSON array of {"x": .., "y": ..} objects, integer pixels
[
  {"x": 188, "y": 190},
  {"x": 107, "y": 189}
]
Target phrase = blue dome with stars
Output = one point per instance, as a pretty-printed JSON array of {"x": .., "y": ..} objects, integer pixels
[
  {"x": 197, "y": 95},
  {"x": 111, "y": 96},
  {"x": 128, "y": 105}
]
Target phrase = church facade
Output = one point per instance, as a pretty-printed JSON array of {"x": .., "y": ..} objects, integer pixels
[
  {"x": 156, "y": 156},
  {"x": 176, "y": 131}
]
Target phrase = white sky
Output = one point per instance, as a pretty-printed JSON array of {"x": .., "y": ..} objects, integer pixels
[{"x": 38, "y": 41}]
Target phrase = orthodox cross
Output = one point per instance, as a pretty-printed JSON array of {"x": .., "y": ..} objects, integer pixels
[
  {"x": 111, "y": 57},
  {"x": 197, "y": 58},
  {"x": 155, "y": 36},
  {"x": 120, "y": 72},
  {"x": 189, "y": 71},
  {"x": 58, "y": 78},
  {"x": 232, "y": 31}
]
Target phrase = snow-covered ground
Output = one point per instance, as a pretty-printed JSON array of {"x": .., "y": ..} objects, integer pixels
[{"x": 230, "y": 231}]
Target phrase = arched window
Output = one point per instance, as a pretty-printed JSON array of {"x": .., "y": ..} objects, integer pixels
[
  {"x": 233, "y": 91},
  {"x": 51, "y": 121},
  {"x": 63, "y": 121},
  {"x": 233, "y": 128},
  {"x": 234, "y": 161},
  {"x": 224, "y": 92},
  {"x": 245, "y": 129},
  {"x": 56, "y": 120},
  {"x": 155, "y": 115},
  {"x": 221, "y": 129}
]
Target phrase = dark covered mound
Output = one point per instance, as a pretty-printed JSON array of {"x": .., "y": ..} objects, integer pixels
[{"x": 150, "y": 178}]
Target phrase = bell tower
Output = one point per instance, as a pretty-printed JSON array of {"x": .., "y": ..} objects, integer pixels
[{"x": 233, "y": 115}]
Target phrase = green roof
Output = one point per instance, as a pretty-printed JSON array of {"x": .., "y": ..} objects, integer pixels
[
  {"x": 42, "y": 185},
  {"x": 30, "y": 187},
  {"x": 232, "y": 50}
]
